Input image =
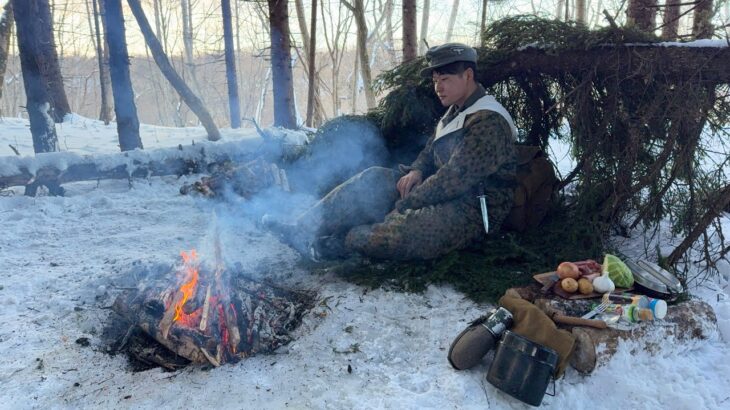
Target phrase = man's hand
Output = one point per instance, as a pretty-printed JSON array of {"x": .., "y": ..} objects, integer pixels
[{"x": 408, "y": 181}]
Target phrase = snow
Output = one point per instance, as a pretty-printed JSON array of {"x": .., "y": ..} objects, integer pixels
[{"x": 64, "y": 260}]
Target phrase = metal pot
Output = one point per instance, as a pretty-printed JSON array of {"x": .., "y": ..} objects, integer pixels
[{"x": 522, "y": 368}]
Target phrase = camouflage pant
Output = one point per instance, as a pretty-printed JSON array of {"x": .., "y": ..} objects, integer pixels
[{"x": 361, "y": 208}]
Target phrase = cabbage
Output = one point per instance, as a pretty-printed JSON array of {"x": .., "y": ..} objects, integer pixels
[{"x": 619, "y": 273}]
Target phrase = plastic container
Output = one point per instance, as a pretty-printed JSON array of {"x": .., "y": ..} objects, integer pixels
[{"x": 658, "y": 307}]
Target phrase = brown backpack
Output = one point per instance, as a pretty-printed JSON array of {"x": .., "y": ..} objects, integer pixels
[{"x": 536, "y": 182}]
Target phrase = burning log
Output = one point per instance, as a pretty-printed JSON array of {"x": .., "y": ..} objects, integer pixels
[{"x": 212, "y": 314}]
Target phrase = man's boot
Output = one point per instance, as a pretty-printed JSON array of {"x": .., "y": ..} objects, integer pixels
[
  {"x": 291, "y": 234},
  {"x": 583, "y": 358}
]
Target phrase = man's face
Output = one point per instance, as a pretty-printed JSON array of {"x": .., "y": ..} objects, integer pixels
[{"x": 452, "y": 88}]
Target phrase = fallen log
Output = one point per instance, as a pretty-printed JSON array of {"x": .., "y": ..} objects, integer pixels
[
  {"x": 669, "y": 61},
  {"x": 57, "y": 168}
]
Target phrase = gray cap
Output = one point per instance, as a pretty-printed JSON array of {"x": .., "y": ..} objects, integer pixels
[{"x": 448, "y": 53}]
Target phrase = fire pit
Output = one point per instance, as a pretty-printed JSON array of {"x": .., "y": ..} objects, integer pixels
[{"x": 205, "y": 314}]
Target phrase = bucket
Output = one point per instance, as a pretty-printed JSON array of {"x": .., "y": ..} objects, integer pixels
[{"x": 522, "y": 368}]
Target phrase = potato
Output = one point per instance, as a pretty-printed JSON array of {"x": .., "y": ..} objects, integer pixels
[
  {"x": 585, "y": 286},
  {"x": 568, "y": 270},
  {"x": 569, "y": 285}
]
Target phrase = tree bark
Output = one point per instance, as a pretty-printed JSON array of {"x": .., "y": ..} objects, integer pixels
[
  {"x": 702, "y": 25},
  {"x": 580, "y": 11},
  {"x": 124, "y": 106},
  {"x": 284, "y": 111},
  {"x": 358, "y": 10},
  {"x": 452, "y": 20},
  {"x": 188, "y": 43},
  {"x": 424, "y": 27},
  {"x": 187, "y": 95},
  {"x": 41, "y": 38},
  {"x": 670, "y": 23},
  {"x": 234, "y": 103},
  {"x": 312, "y": 80},
  {"x": 642, "y": 15},
  {"x": 409, "y": 30},
  {"x": 6, "y": 30},
  {"x": 32, "y": 59},
  {"x": 105, "y": 113},
  {"x": 483, "y": 24}
]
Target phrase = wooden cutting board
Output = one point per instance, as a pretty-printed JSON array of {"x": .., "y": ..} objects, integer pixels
[{"x": 551, "y": 277}]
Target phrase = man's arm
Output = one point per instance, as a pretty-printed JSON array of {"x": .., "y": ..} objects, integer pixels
[
  {"x": 487, "y": 144},
  {"x": 424, "y": 162}
]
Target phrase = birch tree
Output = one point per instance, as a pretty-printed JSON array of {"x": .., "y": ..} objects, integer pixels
[
  {"x": 424, "y": 27},
  {"x": 452, "y": 20}
]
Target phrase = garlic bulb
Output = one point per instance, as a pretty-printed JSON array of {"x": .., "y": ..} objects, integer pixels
[{"x": 603, "y": 284}]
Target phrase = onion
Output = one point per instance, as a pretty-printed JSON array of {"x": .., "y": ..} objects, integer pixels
[{"x": 568, "y": 270}]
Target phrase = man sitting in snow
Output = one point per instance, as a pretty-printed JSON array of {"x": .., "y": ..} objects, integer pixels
[{"x": 431, "y": 207}]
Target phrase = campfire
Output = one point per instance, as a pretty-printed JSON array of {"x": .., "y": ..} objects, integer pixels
[{"x": 207, "y": 313}]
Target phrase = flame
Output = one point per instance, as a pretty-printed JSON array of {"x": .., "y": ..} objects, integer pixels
[{"x": 188, "y": 288}]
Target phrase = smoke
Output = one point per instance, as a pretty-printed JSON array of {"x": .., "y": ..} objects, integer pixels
[{"x": 340, "y": 149}]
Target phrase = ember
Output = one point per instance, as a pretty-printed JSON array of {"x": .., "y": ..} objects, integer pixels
[{"x": 209, "y": 314}]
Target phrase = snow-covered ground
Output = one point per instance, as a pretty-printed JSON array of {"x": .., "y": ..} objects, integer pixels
[{"x": 64, "y": 259}]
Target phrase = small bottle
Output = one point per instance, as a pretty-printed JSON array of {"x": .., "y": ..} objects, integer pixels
[
  {"x": 634, "y": 313},
  {"x": 658, "y": 307}
]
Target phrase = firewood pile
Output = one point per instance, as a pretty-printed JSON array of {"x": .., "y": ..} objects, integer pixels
[
  {"x": 243, "y": 179},
  {"x": 203, "y": 314}
]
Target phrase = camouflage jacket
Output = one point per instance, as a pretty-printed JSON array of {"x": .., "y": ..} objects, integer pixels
[{"x": 481, "y": 153}]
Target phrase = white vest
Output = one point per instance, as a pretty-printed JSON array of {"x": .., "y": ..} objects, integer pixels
[{"x": 485, "y": 103}]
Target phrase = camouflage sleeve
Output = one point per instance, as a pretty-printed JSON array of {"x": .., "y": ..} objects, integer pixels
[
  {"x": 487, "y": 145},
  {"x": 424, "y": 162}
]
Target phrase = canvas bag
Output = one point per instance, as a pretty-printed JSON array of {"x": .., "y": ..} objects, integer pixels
[{"x": 536, "y": 182}]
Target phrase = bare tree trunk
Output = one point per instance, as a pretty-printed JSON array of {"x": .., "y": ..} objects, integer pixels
[
  {"x": 388, "y": 11},
  {"x": 642, "y": 15},
  {"x": 104, "y": 112},
  {"x": 284, "y": 111},
  {"x": 580, "y": 11},
  {"x": 353, "y": 83},
  {"x": 107, "y": 84},
  {"x": 32, "y": 58},
  {"x": 124, "y": 106},
  {"x": 234, "y": 103},
  {"x": 187, "y": 95},
  {"x": 670, "y": 28},
  {"x": 312, "y": 80},
  {"x": 302, "y": 25},
  {"x": 42, "y": 31},
  {"x": 188, "y": 43},
  {"x": 483, "y": 25},
  {"x": 422, "y": 47},
  {"x": 358, "y": 10},
  {"x": 560, "y": 9},
  {"x": 702, "y": 26},
  {"x": 452, "y": 20},
  {"x": 6, "y": 31},
  {"x": 409, "y": 30}
]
